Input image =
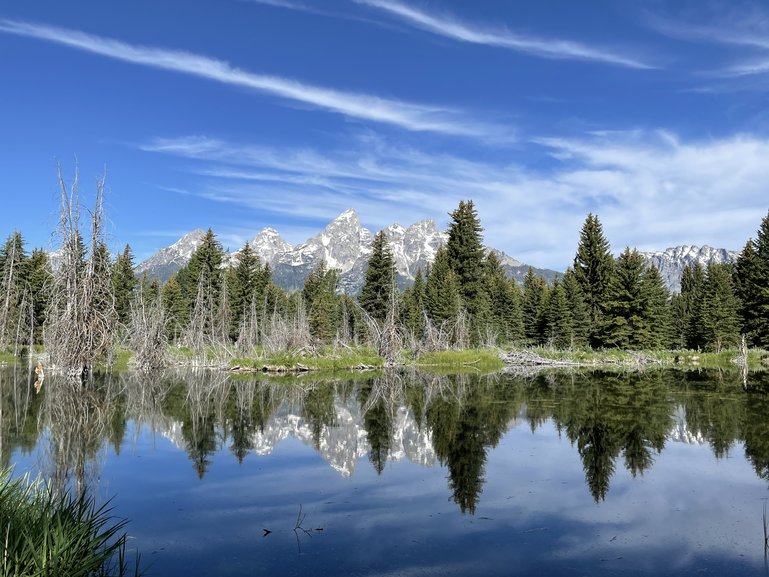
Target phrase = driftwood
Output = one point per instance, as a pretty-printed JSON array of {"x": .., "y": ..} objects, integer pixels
[{"x": 529, "y": 359}]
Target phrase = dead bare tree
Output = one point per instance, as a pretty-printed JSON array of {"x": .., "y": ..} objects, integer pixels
[
  {"x": 436, "y": 337},
  {"x": 386, "y": 336},
  {"x": 248, "y": 333},
  {"x": 81, "y": 325},
  {"x": 195, "y": 333},
  {"x": 147, "y": 335},
  {"x": 286, "y": 333}
]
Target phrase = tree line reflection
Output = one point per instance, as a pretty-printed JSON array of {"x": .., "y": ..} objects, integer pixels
[{"x": 610, "y": 419}]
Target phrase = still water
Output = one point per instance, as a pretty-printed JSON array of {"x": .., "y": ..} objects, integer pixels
[{"x": 562, "y": 473}]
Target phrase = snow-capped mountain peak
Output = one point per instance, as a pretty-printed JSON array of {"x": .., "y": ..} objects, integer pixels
[
  {"x": 672, "y": 261},
  {"x": 168, "y": 260}
]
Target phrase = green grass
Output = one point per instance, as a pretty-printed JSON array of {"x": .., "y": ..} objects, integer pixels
[
  {"x": 7, "y": 358},
  {"x": 476, "y": 359},
  {"x": 47, "y": 534}
]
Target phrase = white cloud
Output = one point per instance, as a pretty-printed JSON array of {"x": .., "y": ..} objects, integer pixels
[
  {"x": 407, "y": 115},
  {"x": 650, "y": 190},
  {"x": 455, "y": 29}
]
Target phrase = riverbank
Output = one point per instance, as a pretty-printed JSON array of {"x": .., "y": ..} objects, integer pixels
[{"x": 332, "y": 359}]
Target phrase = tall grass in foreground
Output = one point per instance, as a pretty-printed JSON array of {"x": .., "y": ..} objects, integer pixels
[{"x": 45, "y": 534}]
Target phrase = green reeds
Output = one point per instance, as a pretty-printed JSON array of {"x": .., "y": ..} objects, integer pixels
[{"x": 45, "y": 534}]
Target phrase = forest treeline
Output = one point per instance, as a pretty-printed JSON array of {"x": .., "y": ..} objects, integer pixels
[{"x": 89, "y": 304}]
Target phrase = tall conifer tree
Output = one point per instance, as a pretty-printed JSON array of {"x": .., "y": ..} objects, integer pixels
[
  {"x": 379, "y": 285},
  {"x": 593, "y": 265},
  {"x": 656, "y": 302},
  {"x": 753, "y": 286},
  {"x": 690, "y": 307},
  {"x": 124, "y": 284},
  {"x": 441, "y": 289},
  {"x": 580, "y": 319},
  {"x": 720, "y": 321},
  {"x": 40, "y": 277},
  {"x": 534, "y": 289},
  {"x": 623, "y": 323},
  {"x": 465, "y": 254}
]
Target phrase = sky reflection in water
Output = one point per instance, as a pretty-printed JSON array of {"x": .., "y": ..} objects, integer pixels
[{"x": 492, "y": 476}]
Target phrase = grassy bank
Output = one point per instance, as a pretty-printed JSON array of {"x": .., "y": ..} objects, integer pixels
[{"x": 46, "y": 534}]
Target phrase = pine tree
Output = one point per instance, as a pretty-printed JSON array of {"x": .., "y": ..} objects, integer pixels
[
  {"x": 753, "y": 286},
  {"x": 319, "y": 295},
  {"x": 747, "y": 275},
  {"x": 40, "y": 277},
  {"x": 558, "y": 325},
  {"x": 690, "y": 307},
  {"x": 379, "y": 284},
  {"x": 412, "y": 312},
  {"x": 441, "y": 289},
  {"x": 202, "y": 277},
  {"x": 534, "y": 289},
  {"x": 124, "y": 284},
  {"x": 623, "y": 308},
  {"x": 247, "y": 283},
  {"x": 176, "y": 309},
  {"x": 593, "y": 265},
  {"x": 720, "y": 321},
  {"x": 580, "y": 321},
  {"x": 13, "y": 286},
  {"x": 504, "y": 299},
  {"x": 465, "y": 254},
  {"x": 656, "y": 315}
]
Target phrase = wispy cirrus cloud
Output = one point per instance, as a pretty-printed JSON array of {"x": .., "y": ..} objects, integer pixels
[
  {"x": 650, "y": 189},
  {"x": 406, "y": 115},
  {"x": 552, "y": 48},
  {"x": 743, "y": 27}
]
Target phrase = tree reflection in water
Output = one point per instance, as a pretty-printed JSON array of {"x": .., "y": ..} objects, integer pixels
[{"x": 609, "y": 418}]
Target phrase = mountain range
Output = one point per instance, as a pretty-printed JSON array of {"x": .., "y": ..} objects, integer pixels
[
  {"x": 346, "y": 245},
  {"x": 343, "y": 244}
]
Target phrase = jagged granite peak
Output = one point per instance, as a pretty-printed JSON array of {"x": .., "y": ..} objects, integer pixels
[
  {"x": 414, "y": 247},
  {"x": 341, "y": 244},
  {"x": 672, "y": 261},
  {"x": 269, "y": 245},
  {"x": 170, "y": 259}
]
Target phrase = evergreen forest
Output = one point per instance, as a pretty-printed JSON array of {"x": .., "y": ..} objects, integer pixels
[{"x": 87, "y": 306}]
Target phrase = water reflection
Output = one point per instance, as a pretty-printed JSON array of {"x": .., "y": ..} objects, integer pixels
[{"x": 612, "y": 420}]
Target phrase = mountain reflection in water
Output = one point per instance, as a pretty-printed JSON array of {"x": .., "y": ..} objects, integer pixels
[{"x": 458, "y": 426}]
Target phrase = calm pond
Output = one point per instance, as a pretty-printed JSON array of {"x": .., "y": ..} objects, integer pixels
[{"x": 561, "y": 473}]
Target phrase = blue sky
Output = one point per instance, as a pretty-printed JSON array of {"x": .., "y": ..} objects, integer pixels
[{"x": 241, "y": 114}]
